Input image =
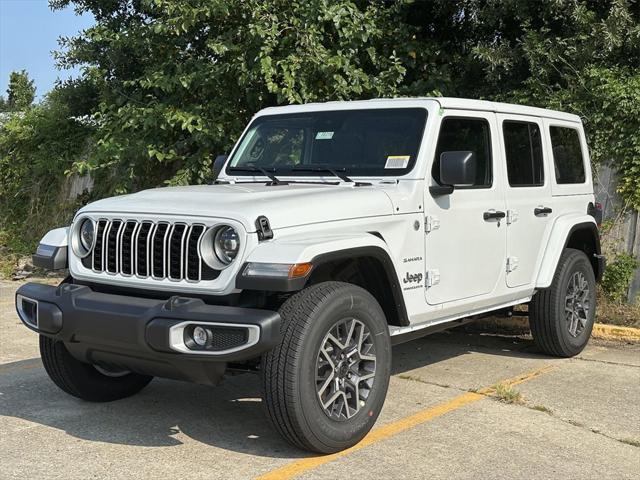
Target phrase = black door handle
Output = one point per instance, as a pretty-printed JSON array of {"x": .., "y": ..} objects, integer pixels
[
  {"x": 494, "y": 215},
  {"x": 539, "y": 211}
]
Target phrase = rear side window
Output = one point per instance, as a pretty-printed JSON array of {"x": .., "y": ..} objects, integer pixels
[
  {"x": 523, "y": 148},
  {"x": 567, "y": 155},
  {"x": 466, "y": 134}
]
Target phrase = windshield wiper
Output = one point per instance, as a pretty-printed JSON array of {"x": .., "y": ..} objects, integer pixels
[
  {"x": 336, "y": 172},
  {"x": 263, "y": 171}
]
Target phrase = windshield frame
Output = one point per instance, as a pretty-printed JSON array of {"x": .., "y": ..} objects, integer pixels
[{"x": 288, "y": 172}]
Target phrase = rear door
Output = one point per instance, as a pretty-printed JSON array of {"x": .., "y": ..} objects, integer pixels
[
  {"x": 464, "y": 250},
  {"x": 527, "y": 182}
]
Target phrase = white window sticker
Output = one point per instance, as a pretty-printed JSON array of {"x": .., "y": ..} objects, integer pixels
[
  {"x": 397, "y": 161},
  {"x": 324, "y": 135}
]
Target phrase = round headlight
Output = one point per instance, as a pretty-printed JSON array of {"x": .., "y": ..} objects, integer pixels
[
  {"x": 226, "y": 244},
  {"x": 83, "y": 237},
  {"x": 87, "y": 235}
]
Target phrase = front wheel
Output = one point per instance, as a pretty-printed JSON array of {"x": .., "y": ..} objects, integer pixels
[
  {"x": 325, "y": 383},
  {"x": 561, "y": 316}
]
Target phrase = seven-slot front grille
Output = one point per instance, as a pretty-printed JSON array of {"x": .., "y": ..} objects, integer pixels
[{"x": 149, "y": 249}]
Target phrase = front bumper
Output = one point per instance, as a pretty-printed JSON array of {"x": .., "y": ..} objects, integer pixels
[{"x": 145, "y": 335}]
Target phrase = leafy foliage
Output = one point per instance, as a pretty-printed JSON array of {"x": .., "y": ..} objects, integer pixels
[
  {"x": 618, "y": 275},
  {"x": 178, "y": 80},
  {"x": 36, "y": 148},
  {"x": 577, "y": 56},
  {"x": 166, "y": 85},
  {"x": 20, "y": 94}
]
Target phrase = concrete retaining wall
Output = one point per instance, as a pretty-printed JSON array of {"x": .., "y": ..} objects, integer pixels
[{"x": 625, "y": 233}]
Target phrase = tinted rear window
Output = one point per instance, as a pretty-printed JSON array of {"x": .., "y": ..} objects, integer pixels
[
  {"x": 567, "y": 155},
  {"x": 523, "y": 148}
]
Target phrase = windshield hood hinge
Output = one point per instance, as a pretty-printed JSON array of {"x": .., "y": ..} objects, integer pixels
[{"x": 263, "y": 228}]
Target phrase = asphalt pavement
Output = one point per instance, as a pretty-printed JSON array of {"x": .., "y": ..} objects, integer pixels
[{"x": 460, "y": 405}]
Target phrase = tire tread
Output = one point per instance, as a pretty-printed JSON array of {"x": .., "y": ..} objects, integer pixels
[
  {"x": 278, "y": 365},
  {"x": 542, "y": 310},
  {"x": 82, "y": 380}
]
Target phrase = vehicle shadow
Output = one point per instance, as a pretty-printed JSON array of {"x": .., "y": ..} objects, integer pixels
[
  {"x": 229, "y": 416},
  {"x": 442, "y": 346}
]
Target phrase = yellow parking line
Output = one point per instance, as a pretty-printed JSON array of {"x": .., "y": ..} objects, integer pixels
[{"x": 299, "y": 467}]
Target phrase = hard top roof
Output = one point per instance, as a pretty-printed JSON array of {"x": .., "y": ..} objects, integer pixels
[{"x": 444, "y": 102}]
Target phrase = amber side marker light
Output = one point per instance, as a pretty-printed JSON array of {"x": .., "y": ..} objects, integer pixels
[{"x": 300, "y": 270}]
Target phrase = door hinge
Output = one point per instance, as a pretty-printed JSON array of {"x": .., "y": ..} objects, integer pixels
[
  {"x": 431, "y": 223},
  {"x": 433, "y": 278},
  {"x": 512, "y": 216},
  {"x": 512, "y": 264}
]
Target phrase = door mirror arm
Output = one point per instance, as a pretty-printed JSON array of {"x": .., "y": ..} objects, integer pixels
[{"x": 440, "y": 190}]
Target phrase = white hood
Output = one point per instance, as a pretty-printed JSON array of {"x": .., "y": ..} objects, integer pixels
[{"x": 284, "y": 205}]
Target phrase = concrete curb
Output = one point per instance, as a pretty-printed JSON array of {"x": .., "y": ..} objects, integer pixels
[{"x": 519, "y": 325}]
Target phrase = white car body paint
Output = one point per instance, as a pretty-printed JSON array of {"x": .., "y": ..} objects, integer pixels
[{"x": 468, "y": 254}]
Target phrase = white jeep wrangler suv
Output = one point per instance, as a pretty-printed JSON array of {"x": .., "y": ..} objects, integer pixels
[{"x": 331, "y": 232}]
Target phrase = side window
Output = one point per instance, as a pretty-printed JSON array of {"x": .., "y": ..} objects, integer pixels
[
  {"x": 466, "y": 134},
  {"x": 567, "y": 155},
  {"x": 523, "y": 149}
]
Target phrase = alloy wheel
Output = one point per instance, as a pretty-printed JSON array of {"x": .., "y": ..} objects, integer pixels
[
  {"x": 345, "y": 369},
  {"x": 577, "y": 304}
]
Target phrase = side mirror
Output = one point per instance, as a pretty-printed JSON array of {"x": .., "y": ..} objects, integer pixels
[
  {"x": 457, "y": 169},
  {"x": 218, "y": 163}
]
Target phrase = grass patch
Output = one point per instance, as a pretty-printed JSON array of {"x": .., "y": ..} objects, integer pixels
[
  {"x": 8, "y": 264},
  {"x": 507, "y": 394},
  {"x": 541, "y": 408},
  {"x": 617, "y": 313}
]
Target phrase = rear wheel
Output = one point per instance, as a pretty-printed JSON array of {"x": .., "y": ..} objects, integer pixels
[
  {"x": 561, "y": 317},
  {"x": 326, "y": 382},
  {"x": 93, "y": 383}
]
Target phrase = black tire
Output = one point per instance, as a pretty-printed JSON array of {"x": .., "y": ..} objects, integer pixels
[
  {"x": 289, "y": 370},
  {"x": 83, "y": 380},
  {"x": 548, "y": 319}
]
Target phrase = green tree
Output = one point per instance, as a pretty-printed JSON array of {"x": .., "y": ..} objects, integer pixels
[
  {"x": 37, "y": 148},
  {"x": 21, "y": 91},
  {"x": 177, "y": 80},
  {"x": 168, "y": 84},
  {"x": 580, "y": 56}
]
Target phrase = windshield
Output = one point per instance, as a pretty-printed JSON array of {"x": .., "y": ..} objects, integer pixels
[{"x": 372, "y": 142}]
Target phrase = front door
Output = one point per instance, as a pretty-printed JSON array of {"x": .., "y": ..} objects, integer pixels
[{"x": 466, "y": 235}]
